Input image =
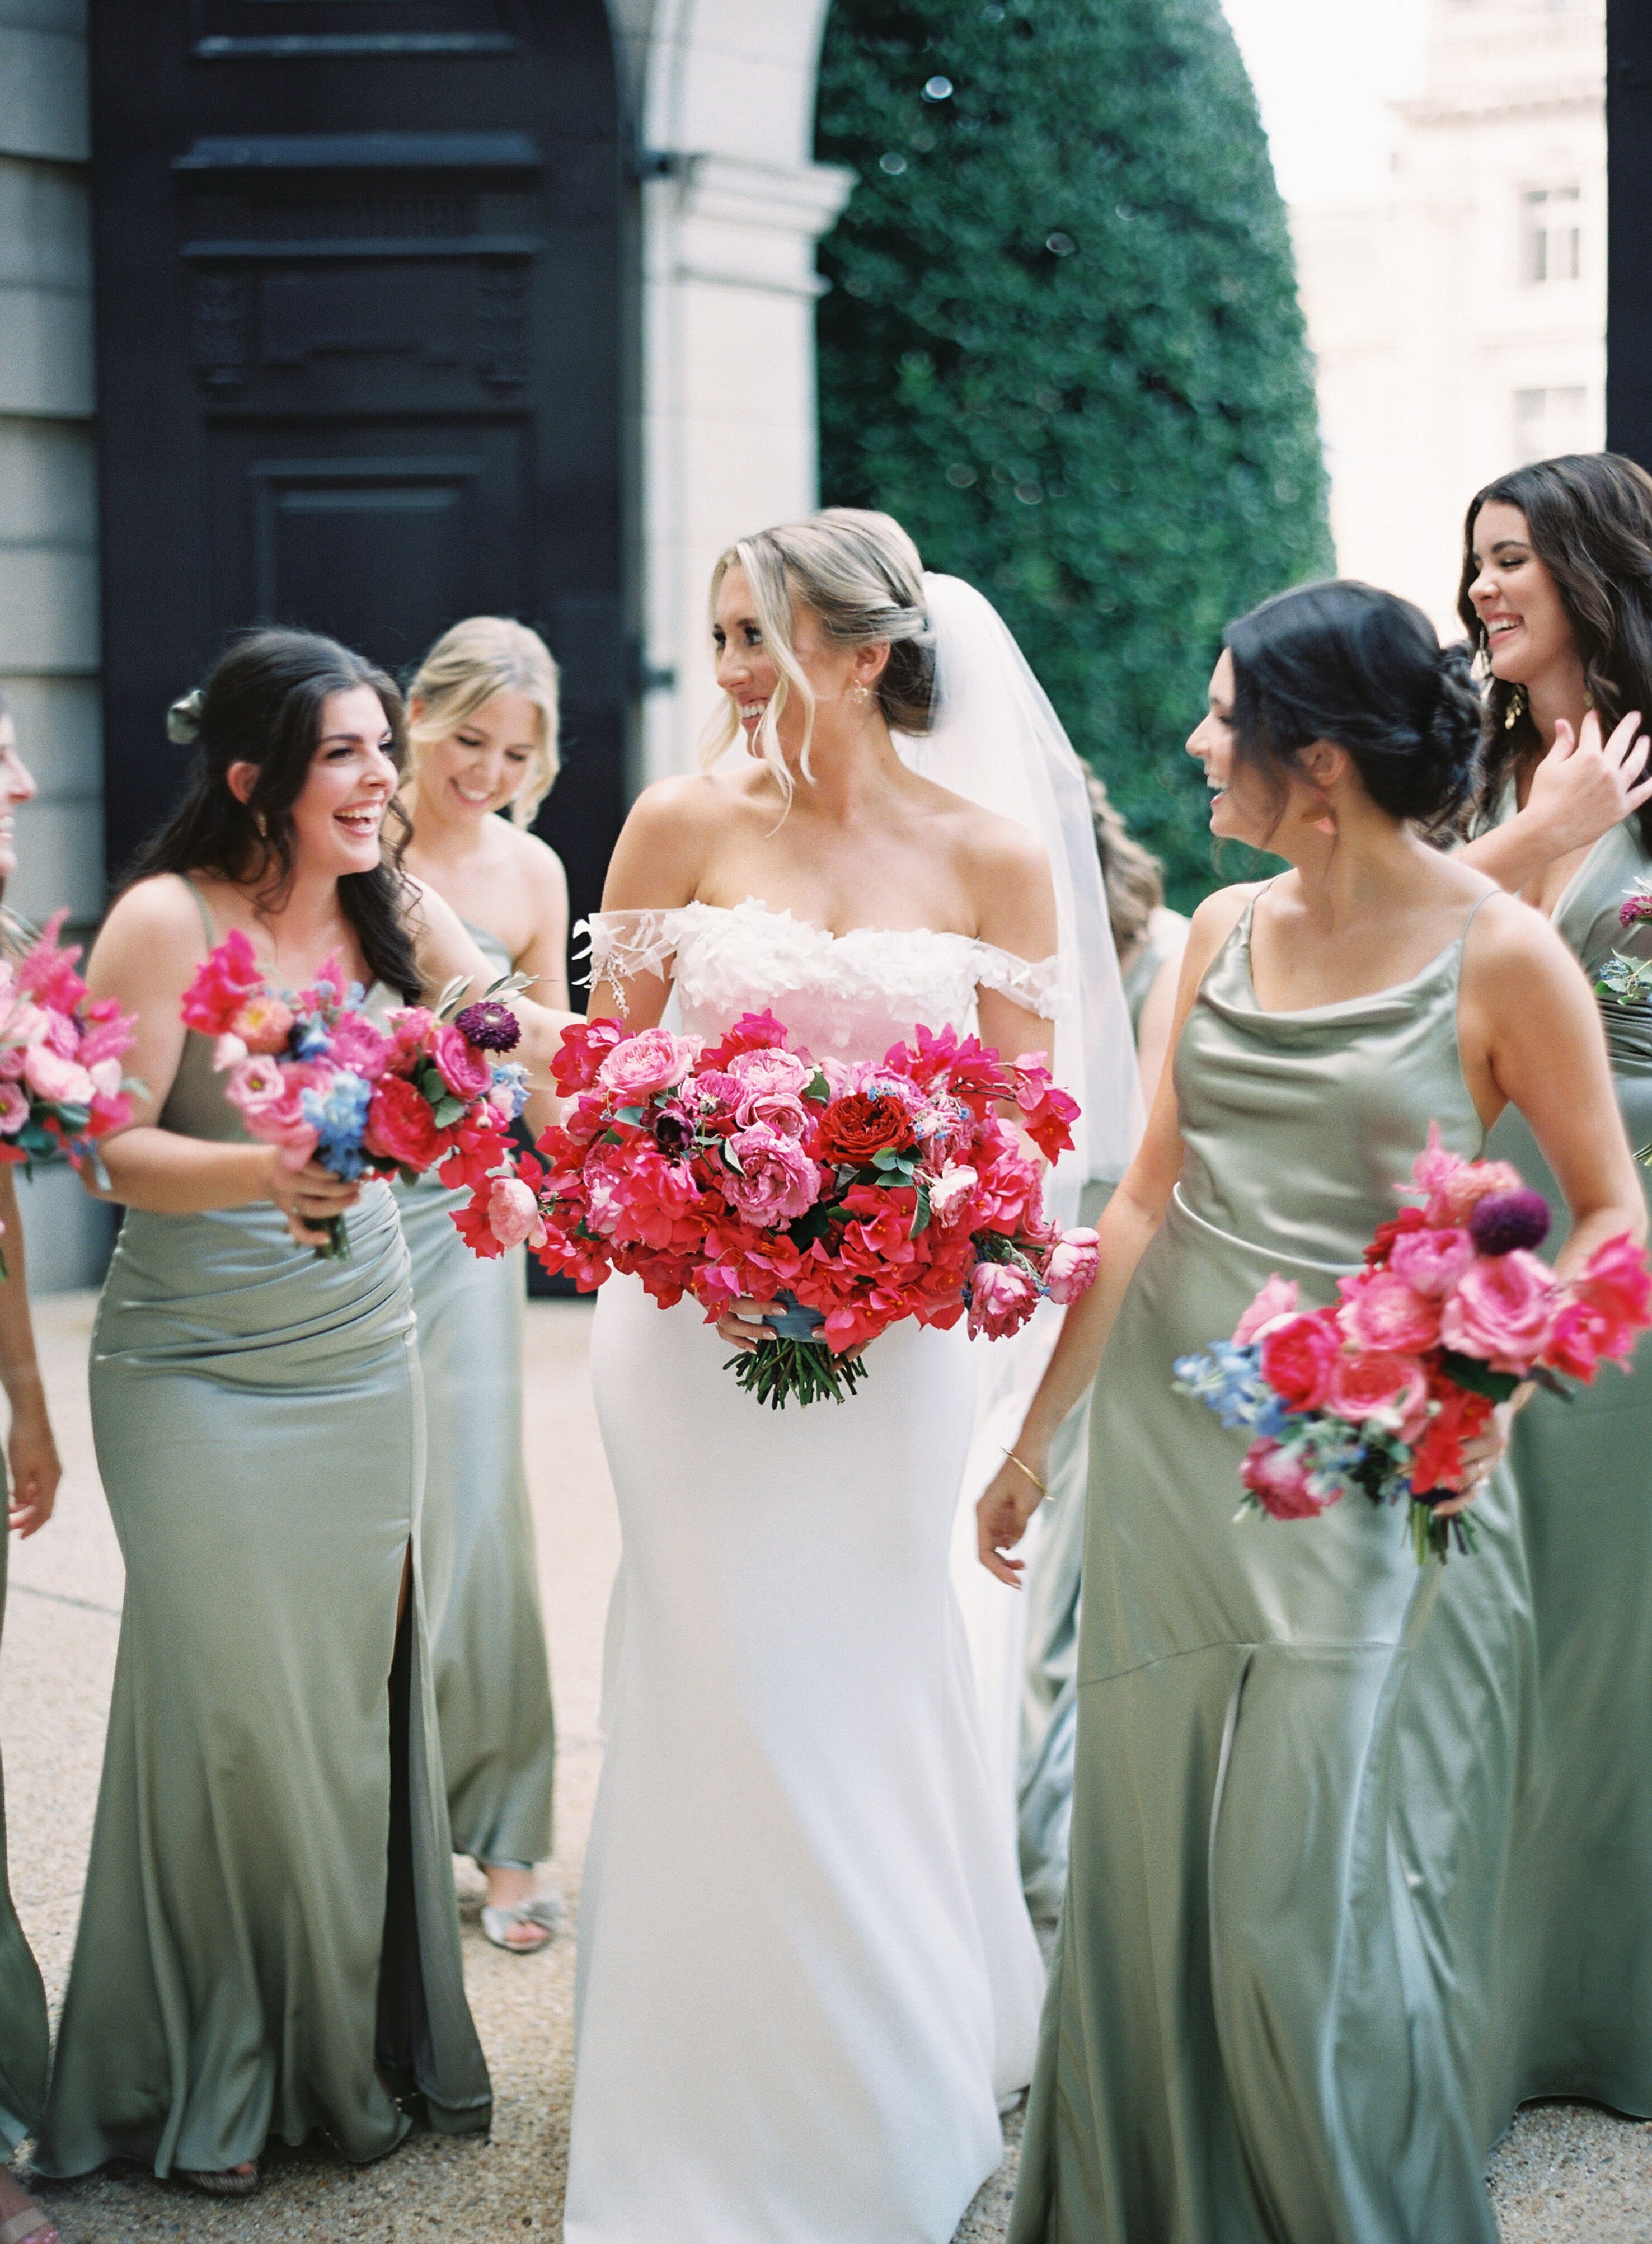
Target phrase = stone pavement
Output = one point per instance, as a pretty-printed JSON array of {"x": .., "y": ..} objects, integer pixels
[{"x": 1568, "y": 2174}]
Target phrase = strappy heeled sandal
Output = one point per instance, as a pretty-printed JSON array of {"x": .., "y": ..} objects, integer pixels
[
  {"x": 544, "y": 1913},
  {"x": 229, "y": 2183},
  {"x": 33, "y": 2221}
]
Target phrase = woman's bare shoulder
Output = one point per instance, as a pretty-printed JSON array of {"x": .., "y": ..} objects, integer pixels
[{"x": 160, "y": 909}]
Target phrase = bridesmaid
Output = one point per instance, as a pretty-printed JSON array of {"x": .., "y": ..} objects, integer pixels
[
  {"x": 31, "y": 1475},
  {"x": 269, "y": 1943},
  {"x": 1149, "y": 938},
  {"x": 1557, "y": 591},
  {"x": 482, "y": 737},
  {"x": 1251, "y": 2031}
]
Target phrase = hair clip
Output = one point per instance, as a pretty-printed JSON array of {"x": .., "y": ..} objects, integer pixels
[{"x": 183, "y": 720}]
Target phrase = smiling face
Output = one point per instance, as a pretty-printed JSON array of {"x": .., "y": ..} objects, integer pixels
[
  {"x": 1527, "y": 630},
  {"x": 482, "y": 764},
  {"x": 1234, "y": 812},
  {"x": 16, "y": 787},
  {"x": 340, "y": 809},
  {"x": 748, "y": 673}
]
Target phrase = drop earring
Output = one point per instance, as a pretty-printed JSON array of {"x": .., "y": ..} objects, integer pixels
[{"x": 1515, "y": 710}]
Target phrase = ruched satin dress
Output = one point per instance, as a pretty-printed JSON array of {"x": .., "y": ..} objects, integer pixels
[
  {"x": 1580, "y": 1920},
  {"x": 23, "y": 2001},
  {"x": 268, "y": 1935},
  {"x": 481, "y": 1584},
  {"x": 1255, "y": 2026}
]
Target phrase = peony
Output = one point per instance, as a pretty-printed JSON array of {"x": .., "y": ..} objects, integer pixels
[
  {"x": 1074, "y": 1262},
  {"x": 467, "y": 1073},
  {"x": 1502, "y": 1311},
  {"x": 401, "y": 1127},
  {"x": 651, "y": 1061},
  {"x": 762, "y": 1072},
  {"x": 773, "y": 1179},
  {"x": 513, "y": 1212},
  {"x": 14, "y": 1110},
  {"x": 858, "y": 1126},
  {"x": 1279, "y": 1480},
  {"x": 1379, "y": 1310},
  {"x": 64, "y": 1082},
  {"x": 1278, "y": 1298},
  {"x": 1431, "y": 1261},
  {"x": 950, "y": 1194},
  {"x": 1298, "y": 1356},
  {"x": 263, "y": 1022},
  {"x": 781, "y": 1111},
  {"x": 1002, "y": 1298},
  {"x": 360, "y": 1047},
  {"x": 1378, "y": 1383}
]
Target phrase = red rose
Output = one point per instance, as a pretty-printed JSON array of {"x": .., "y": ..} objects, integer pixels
[
  {"x": 401, "y": 1128},
  {"x": 859, "y": 1125},
  {"x": 1297, "y": 1357}
]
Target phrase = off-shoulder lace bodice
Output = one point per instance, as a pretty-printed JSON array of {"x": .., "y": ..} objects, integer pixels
[{"x": 845, "y": 996}]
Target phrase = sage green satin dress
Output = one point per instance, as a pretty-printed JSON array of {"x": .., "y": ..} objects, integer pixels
[
  {"x": 1251, "y": 2031},
  {"x": 269, "y": 1933},
  {"x": 481, "y": 1578},
  {"x": 1581, "y": 1918},
  {"x": 24, "y": 2040}
]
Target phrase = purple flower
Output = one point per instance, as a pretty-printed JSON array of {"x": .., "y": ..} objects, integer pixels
[
  {"x": 490, "y": 1026},
  {"x": 1504, "y": 1221}
]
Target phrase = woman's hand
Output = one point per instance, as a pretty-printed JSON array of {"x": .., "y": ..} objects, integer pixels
[
  {"x": 310, "y": 1198},
  {"x": 1482, "y": 1455},
  {"x": 743, "y": 1325},
  {"x": 1001, "y": 1516},
  {"x": 1584, "y": 786},
  {"x": 31, "y": 1455}
]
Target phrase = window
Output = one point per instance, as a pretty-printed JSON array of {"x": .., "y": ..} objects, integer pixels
[
  {"x": 1551, "y": 244},
  {"x": 1550, "y": 422}
]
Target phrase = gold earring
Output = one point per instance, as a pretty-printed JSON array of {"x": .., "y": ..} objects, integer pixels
[
  {"x": 1516, "y": 709},
  {"x": 859, "y": 690}
]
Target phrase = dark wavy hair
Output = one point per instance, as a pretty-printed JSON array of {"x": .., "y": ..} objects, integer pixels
[
  {"x": 1342, "y": 662},
  {"x": 262, "y": 705},
  {"x": 1589, "y": 517}
]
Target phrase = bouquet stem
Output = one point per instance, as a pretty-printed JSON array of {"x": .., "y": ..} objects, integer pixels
[
  {"x": 1434, "y": 1538},
  {"x": 337, "y": 1248},
  {"x": 790, "y": 1362}
]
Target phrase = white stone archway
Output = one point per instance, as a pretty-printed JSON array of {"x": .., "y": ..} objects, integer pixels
[{"x": 733, "y": 205}]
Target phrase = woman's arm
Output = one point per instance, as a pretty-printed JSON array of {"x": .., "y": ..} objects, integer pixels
[
  {"x": 447, "y": 952},
  {"x": 1131, "y": 1217},
  {"x": 1581, "y": 789},
  {"x": 545, "y": 954},
  {"x": 656, "y": 866},
  {"x": 31, "y": 1454},
  {"x": 1158, "y": 1017}
]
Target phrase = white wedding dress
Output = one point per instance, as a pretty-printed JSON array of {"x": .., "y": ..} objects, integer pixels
[{"x": 808, "y": 1980}]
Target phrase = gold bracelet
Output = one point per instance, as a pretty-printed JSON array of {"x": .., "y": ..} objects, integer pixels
[{"x": 1028, "y": 1471}]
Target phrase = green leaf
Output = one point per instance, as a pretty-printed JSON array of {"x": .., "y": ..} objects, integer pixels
[
  {"x": 1478, "y": 1378},
  {"x": 452, "y": 997},
  {"x": 920, "y": 1214},
  {"x": 451, "y": 1110}
]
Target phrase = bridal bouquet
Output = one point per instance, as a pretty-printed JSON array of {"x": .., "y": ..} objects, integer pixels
[
  {"x": 309, "y": 1072},
  {"x": 1450, "y": 1313},
  {"x": 62, "y": 1085},
  {"x": 849, "y": 1196},
  {"x": 1627, "y": 982}
]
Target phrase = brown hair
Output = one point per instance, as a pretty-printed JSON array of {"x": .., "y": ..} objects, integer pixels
[
  {"x": 1133, "y": 876},
  {"x": 1589, "y": 518}
]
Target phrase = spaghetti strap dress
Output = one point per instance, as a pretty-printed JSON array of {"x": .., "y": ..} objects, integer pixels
[
  {"x": 24, "y": 2040},
  {"x": 1581, "y": 1915},
  {"x": 1249, "y": 2034},
  {"x": 269, "y": 1944},
  {"x": 481, "y": 1579}
]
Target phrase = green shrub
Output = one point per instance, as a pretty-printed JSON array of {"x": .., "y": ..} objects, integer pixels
[{"x": 1062, "y": 344}]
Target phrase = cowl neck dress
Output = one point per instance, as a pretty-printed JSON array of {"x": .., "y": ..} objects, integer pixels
[{"x": 1253, "y": 2025}]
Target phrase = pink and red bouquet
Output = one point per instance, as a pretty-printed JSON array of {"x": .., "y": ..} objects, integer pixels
[
  {"x": 309, "y": 1072},
  {"x": 849, "y": 1195},
  {"x": 1451, "y": 1311},
  {"x": 62, "y": 1083}
]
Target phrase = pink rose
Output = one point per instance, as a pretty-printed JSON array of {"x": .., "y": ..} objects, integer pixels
[
  {"x": 513, "y": 1211},
  {"x": 642, "y": 1065},
  {"x": 1431, "y": 1261},
  {"x": 1298, "y": 1354},
  {"x": 773, "y": 1179},
  {"x": 357, "y": 1045},
  {"x": 763, "y": 1074},
  {"x": 1002, "y": 1298},
  {"x": 1278, "y": 1298},
  {"x": 950, "y": 1194},
  {"x": 1379, "y": 1310},
  {"x": 11, "y": 1059},
  {"x": 467, "y": 1073},
  {"x": 1378, "y": 1383},
  {"x": 1074, "y": 1262},
  {"x": 713, "y": 1088},
  {"x": 780, "y": 1110},
  {"x": 1502, "y": 1311},
  {"x": 1275, "y": 1478},
  {"x": 14, "y": 1110},
  {"x": 412, "y": 1027},
  {"x": 50, "y": 1075}
]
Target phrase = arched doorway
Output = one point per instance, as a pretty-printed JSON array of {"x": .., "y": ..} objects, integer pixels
[{"x": 359, "y": 285}]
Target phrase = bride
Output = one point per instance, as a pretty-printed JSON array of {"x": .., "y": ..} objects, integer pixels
[{"x": 807, "y": 1983}]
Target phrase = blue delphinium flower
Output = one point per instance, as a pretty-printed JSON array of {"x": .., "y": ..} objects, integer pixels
[
  {"x": 310, "y": 1039},
  {"x": 338, "y": 1118},
  {"x": 510, "y": 1075}
]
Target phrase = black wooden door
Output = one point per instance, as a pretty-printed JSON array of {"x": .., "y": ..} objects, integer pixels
[{"x": 358, "y": 280}]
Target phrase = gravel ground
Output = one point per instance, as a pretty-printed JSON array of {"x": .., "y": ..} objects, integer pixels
[{"x": 1567, "y": 2174}]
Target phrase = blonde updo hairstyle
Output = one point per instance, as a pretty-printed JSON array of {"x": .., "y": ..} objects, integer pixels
[
  {"x": 483, "y": 656},
  {"x": 859, "y": 575}
]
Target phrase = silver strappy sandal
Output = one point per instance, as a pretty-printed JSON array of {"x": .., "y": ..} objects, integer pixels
[{"x": 544, "y": 1913}]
